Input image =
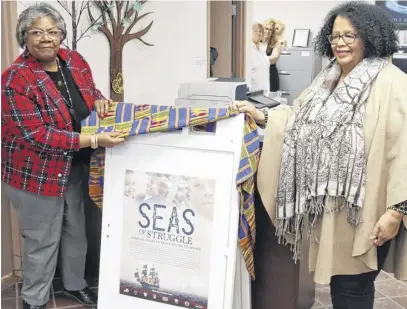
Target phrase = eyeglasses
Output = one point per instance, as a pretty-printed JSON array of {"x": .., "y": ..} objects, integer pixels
[
  {"x": 39, "y": 34},
  {"x": 348, "y": 38}
]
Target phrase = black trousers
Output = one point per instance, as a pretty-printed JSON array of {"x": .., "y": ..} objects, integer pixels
[{"x": 357, "y": 291}]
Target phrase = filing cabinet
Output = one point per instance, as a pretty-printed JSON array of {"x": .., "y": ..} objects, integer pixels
[{"x": 297, "y": 67}]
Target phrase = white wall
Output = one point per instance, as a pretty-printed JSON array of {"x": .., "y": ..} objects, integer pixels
[
  {"x": 179, "y": 54},
  {"x": 152, "y": 74}
]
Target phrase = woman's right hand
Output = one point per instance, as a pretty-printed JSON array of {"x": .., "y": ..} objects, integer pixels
[
  {"x": 109, "y": 139},
  {"x": 248, "y": 108}
]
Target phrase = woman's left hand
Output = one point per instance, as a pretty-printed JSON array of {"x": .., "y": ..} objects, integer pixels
[
  {"x": 387, "y": 227},
  {"x": 102, "y": 107}
]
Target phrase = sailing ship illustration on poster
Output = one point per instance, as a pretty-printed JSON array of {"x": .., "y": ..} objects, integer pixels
[{"x": 148, "y": 280}]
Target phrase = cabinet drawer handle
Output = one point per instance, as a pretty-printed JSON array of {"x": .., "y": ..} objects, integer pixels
[
  {"x": 285, "y": 53},
  {"x": 284, "y": 93},
  {"x": 284, "y": 73}
]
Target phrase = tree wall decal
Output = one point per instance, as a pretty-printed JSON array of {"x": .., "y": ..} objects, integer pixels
[
  {"x": 75, "y": 9},
  {"x": 118, "y": 19}
]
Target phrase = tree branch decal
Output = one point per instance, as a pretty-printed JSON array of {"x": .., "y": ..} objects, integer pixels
[{"x": 75, "y": 10}]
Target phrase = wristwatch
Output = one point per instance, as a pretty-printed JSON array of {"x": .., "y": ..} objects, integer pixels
[
  {"x": 400, "y": 207},
  {"x": 266, "y": 118}
]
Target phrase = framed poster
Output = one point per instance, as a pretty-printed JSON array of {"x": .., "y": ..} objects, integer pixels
[
  {"x": 170, "y": 222},
  {"x": 397, "y": 11},
  {"x": 301, "y": 37}
]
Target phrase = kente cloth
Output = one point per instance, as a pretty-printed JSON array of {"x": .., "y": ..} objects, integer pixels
[
  {"x": 141, "y": 119},
  {"x": 324, "y": 150}
]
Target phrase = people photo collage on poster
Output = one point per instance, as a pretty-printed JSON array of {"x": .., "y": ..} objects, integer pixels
[{"x": 166, "y": 240}]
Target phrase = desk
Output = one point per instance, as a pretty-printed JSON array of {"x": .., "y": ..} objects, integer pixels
[{"x": 400, "y": 61}]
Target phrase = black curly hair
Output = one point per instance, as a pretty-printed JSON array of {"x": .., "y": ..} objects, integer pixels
[{"x": 373, "y": 24}]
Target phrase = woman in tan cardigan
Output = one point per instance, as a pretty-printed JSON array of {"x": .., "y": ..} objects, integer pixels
[{"x": 334, "y": 166}]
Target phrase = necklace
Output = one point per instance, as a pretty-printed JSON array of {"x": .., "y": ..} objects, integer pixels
[{"x": 70, "y": 102}]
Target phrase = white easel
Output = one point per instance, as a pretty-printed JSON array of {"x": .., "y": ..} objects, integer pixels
[{"x": 194, "y": 154}]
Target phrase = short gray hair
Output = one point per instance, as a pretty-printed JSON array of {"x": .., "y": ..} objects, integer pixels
[{"x": 31, "y": 13}]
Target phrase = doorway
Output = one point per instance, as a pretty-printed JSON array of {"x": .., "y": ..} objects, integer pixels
[{"x": 226, "y": 38}]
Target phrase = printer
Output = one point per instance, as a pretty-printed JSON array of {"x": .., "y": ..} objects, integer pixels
[
  {"x": 220, "y": 93},
  {"x": 210, "y": 93}
]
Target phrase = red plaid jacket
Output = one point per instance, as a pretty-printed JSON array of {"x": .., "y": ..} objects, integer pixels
[{"x": 37, "y": 138}]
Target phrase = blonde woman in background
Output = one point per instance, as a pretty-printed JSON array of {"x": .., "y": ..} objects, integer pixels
[{"x": 274, "y": 43}]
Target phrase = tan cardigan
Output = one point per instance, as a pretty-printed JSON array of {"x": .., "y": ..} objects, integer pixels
[{"x": 336, "y": 247}]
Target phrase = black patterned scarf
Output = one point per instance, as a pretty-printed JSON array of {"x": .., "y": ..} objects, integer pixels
[{"x": 323, "y": 152}]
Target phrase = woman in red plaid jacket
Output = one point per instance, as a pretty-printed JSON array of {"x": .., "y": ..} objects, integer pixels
[{"x": 45, "y": 94}]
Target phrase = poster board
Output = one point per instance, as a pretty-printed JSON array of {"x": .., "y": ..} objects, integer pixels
[{"x": 170, "y": 222}]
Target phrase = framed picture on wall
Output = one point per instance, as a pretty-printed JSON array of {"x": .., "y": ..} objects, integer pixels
[
  {"x": 397, "y": 11},
  {"x": 301, "y": 37}
]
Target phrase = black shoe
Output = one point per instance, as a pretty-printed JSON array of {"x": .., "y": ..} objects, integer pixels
[
  {"x": 85, "y": 296},
  {"x": 28, "y": 306}
]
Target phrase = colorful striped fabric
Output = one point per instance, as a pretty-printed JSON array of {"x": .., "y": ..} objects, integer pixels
[{"x": 141, "y": 119}]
